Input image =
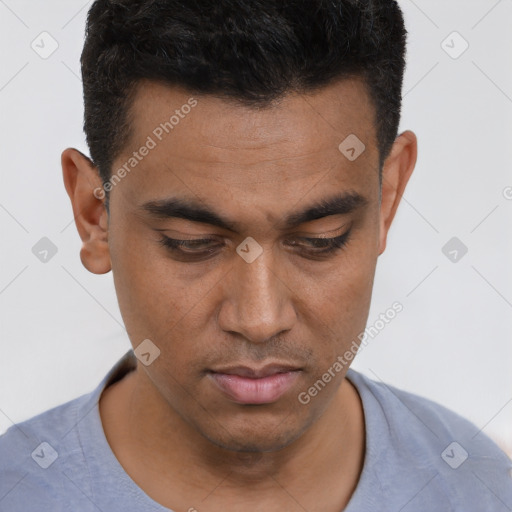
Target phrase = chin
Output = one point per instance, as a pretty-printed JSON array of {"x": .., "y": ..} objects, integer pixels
[{"x": 255, "y": 440}]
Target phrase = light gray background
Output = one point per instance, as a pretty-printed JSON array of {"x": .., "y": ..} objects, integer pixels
[{"x": 61, "y": 329}]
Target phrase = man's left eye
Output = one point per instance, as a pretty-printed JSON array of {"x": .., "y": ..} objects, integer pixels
[{"x": 325, "y": 245}]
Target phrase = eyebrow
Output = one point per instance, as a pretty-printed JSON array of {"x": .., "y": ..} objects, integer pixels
[{"x": 175, "y": 207}]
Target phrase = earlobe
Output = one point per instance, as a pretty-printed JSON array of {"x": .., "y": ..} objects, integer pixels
[
  {"x": 81, "y": 180},
  {"x": 396, "y": 172}
]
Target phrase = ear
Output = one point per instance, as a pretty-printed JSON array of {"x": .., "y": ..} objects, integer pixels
[
  {"x": 84, "y": 187},
  {"x": 396, "y": 171}
]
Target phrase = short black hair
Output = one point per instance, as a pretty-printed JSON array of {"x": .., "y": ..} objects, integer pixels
[{"x": 249, "y": 51}]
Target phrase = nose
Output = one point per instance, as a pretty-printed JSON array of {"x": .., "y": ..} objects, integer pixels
[{"x": 258, "y": 300}]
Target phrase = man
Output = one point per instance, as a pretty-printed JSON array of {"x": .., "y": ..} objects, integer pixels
[{"x": 245, "y": 171}]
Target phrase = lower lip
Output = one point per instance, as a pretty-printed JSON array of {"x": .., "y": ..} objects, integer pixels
[{"x": 265, "y": 390}]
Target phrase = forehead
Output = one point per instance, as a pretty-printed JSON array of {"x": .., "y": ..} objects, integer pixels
[
  {"x": 271, "y": 155},
  {"x": 333, "y": 112}
]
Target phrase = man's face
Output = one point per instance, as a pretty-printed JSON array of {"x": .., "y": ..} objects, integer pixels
[{"x": 210, "y": 309}]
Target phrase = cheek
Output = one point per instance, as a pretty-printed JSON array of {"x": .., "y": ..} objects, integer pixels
[
  {"x": 339, "y": 302},
  {"x": 157, "y": 298},
  {"x": 346, "y": 285},
  {"x": 143, "y": 284}
]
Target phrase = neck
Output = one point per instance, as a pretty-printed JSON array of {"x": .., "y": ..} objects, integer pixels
[{"x": 156, "y": 446}]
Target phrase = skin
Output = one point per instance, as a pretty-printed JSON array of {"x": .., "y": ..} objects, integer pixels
[{"x": 175, "y": 433}]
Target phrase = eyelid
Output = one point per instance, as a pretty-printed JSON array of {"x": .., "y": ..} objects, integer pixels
[
  {"x": 174, "y": 242},
  {"x": 177, "y": 235},
  {"x": 332, "y": 233}
]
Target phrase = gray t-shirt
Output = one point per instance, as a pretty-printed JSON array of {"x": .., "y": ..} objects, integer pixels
[{"x": 419, "y": 457}]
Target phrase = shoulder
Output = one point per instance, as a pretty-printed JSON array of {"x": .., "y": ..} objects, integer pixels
[
  {"x": 467, "y": 467},
  {"x": 45, "y": 461},
  {"x": 40, "y": 457}
]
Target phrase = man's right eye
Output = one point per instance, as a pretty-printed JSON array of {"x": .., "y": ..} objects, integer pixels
[{"x": 187, "y": 246}]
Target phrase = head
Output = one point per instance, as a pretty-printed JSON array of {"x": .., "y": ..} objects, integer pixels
[{"x": 253, "y": 130}]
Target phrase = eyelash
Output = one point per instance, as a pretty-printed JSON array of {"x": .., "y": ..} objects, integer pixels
[{"x": 327, "y": 246}]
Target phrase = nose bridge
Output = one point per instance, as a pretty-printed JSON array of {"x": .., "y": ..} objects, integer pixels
[{"x": 258, "y": 302}]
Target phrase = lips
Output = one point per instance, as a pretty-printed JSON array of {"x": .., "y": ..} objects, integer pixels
[
  {"x": 246, "y": 385},
  {"x": 254, "y": 373}
]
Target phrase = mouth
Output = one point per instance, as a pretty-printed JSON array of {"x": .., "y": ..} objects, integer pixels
[{"x": 246, "y": 385}]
